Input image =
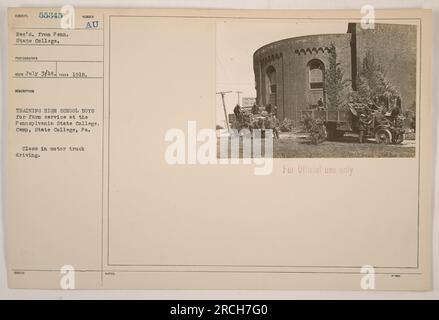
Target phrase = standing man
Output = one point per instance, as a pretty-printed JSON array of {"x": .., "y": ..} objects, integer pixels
[
  {"x": 363, "y": 124},
  {"x": 255, "y": 108},
  {"x": 361, "y": 127},
  {"x": 274, "y": 111},
  {"x": 394, "y": 113},
  {"x": 268, "y": 108},
  {"x": 237, "y": 111},
  {"x": 320, "y": 104}
]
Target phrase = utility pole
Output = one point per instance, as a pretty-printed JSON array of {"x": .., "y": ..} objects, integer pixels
[
  {"x": 239, "y": 95},
  {"x": 223, "y": 93}
]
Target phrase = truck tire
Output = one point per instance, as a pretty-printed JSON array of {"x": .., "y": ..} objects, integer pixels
[
  {"x": 320, "y": 136},
  {"x": 333, "y": 133},
  {"x": 398, "y": 139},
  {"x": 337, "y": 135},
  {"x": 383, "y": 136}
]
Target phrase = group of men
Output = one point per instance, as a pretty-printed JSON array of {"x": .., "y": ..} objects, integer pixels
[
  {"x": 256, "y": 109},
  {"x": 373, "y": 116},
  {"x": 265, "y": 118}
]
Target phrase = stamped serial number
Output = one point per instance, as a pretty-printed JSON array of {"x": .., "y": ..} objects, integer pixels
[{"x": 49, "y": 15}]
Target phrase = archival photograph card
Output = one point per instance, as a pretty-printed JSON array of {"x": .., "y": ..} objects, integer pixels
[{"x": 219, "y": 149}]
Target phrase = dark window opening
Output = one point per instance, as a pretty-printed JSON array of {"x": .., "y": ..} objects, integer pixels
[
  {"x": 316, "y": 85},
  {"x": 316, "y": 74},
  {"x": 271, "y": 78}
]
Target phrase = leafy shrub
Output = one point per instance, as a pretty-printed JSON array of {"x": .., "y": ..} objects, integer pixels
[
  {"x": 308, "y": 122},
  {"x": 286, "y": 125}
]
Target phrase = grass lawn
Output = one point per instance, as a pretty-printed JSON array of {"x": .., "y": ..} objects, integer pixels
[{"x": 289, "y": 146}]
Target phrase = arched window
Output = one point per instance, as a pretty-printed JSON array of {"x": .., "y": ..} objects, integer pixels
[
  {"x": 316, "y": 74},
  {"x": 271, "y": 77}
]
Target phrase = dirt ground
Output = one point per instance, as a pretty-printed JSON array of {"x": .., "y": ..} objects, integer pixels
[{"x": 297, "y": 145}]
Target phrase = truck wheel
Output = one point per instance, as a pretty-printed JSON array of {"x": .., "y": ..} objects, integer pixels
[
  {"x": 398, "y": 139},
  {"x": 323, "y": 134},
  {"x": 319, "y": 136},
  {"x": 339, "y": 134},
  {"x": 383, "y": 136},
  {"x": 334, "y": 134},
  {"x": 331, "y": 134}
]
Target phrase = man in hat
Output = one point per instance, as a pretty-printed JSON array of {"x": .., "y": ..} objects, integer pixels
[
  {"x": 320, "y": 104},
  {"x": 274, "y": 111},
  {"x": 268, "y": 108},
  {"x": 255, "y": 108},
  {"x": 363, "y": 123},
  {"x": 237, "y": 111}
]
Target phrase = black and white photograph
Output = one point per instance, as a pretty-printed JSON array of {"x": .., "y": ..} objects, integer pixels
[{"x": 326, "y": 89}]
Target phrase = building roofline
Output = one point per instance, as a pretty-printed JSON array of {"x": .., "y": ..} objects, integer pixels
[{"x": 297, "y": 38}]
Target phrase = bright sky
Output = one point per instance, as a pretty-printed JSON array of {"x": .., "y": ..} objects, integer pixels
[{"x": 237, "y": 41}]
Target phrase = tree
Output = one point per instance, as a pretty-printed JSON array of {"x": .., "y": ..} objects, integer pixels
[
  {"x": 369, "y": 71},
  {"x": 372, "y": 82},
  {"x": 334, "y": 82}
]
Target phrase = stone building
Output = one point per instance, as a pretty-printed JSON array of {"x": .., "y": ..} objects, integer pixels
[{"x": 290, "y": 73}]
